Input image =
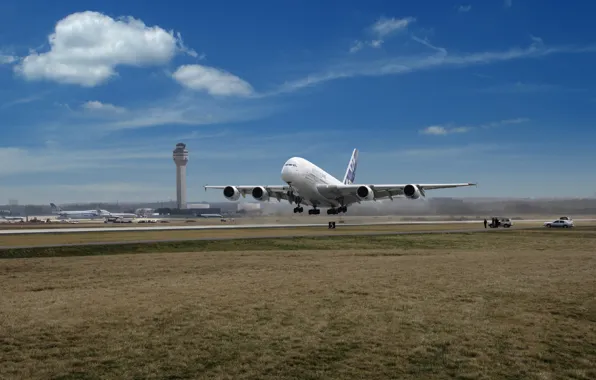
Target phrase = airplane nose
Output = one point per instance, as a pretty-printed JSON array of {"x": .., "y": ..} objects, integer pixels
[{"x": 286, "y": 173}]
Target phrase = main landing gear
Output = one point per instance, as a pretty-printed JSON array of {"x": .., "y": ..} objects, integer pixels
[
  {"x": 333, "y": 211},
  {"x": 316, "y": 211}
]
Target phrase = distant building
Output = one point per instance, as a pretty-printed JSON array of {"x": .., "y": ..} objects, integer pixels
[
  {"x": 198, "y": 205},
  {"x": 180, "y": 156},
  {"x": 188, "y": 211}
]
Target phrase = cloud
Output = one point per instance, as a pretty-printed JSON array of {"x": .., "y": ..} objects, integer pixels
[
  {"x": 464, "y": 8},
  {"x": 7, "y": 59},
  {"x": 356, "y": 46},
  {"x": 384, "y": 27},
  {"x": 414, "y": 63},
  {"x": 442, "y": 130},
  {"x": 25, "y": 100},
  {"x": 211, "y": 80},
  {"x": 437, "y": 153},
  {"x": 113, "y": 191},
  {"x": 96, "y": 106},
  {"x": 87, "y": 47},
  {"x": 381, "y": 29},
  {"x": 521, "y": 87},
  {"x": 94, "y": 119},
  {"x": 18, "y": 160}
]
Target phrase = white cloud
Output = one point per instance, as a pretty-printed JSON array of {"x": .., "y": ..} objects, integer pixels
[
  {"x": 356, "y": 46},
  {"x": 211, "y": 80},
  {"x": 25, "y": 100},
  {"x": 442, "y": 130},
  {"x": 521, "y": 87},
  {"x": 86, "y": 48},
  {"x": 381, "y": 29},
  {"x": 438, "y": 153},
  {"x": 464, "y": 8},
  {"x": 409, "y": 64},
  {"x": 115, "y": 191},
  {"x": 97, "y": 106},
  {"x": 384, "y": 26},
  {"x": 7, "y": 59},
  {"x": 18, "y": 160}
]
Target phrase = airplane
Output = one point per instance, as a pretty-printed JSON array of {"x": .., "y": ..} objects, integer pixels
[
  {"x": 13, "y": 218},
  {"x": 308, "y": 184},
  {"x": 90, "y": 214}
]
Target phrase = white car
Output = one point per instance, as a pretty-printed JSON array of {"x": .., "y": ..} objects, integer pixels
[{"x": 559, "y": 224}]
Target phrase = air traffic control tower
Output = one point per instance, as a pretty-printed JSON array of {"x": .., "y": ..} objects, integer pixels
[{"x": 180, "y": 159}]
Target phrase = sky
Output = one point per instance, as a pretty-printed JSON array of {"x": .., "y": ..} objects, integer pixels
[{"x": 94, "y": 95}]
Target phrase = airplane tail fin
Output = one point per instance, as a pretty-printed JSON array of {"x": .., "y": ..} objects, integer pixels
[
  {"x": 55, "y": 208},
  {"x": 351, "y": 170}
]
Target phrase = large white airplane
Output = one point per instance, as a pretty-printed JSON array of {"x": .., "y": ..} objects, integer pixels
[
  {"x": 308, "y": 184},
  {"x": 89, "y": 214}
]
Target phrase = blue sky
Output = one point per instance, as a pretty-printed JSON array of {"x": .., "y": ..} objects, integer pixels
[{"x": 94, "y": 95}]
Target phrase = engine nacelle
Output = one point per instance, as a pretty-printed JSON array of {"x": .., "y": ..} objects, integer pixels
[
  {"x": 231, "y": 193},
  {"x": 412, "y": 192},
  {"x": 260, "y": 194},
  {"x": 365, "y": 193}
]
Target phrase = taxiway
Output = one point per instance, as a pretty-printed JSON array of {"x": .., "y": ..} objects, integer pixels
[{"x": 32, "y": 231}]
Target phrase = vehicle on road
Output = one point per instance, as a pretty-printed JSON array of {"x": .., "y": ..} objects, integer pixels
[
  {"x": 500, "y": 222},
  {"x": 559, "y": 224}
]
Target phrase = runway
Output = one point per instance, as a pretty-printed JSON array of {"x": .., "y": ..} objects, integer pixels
[
  {"x": 246, "y": 226},
  {"x": 364, "y": 233}
]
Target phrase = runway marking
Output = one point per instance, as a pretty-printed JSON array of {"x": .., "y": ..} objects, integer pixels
[{"x": 241, "y": 226}]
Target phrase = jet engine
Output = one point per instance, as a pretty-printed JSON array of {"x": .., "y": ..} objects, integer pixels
[
  {"x": 365, "y": 193},
  {"x": 260, "y": 194},
  {"x": 412, "y": 192},
  {"x": 231, "y": 193}
]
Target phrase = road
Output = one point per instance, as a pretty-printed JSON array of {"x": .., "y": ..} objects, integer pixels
[{"x": 240, "y": 226}]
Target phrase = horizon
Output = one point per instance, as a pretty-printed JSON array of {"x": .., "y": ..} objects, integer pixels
[{"x": 94, "y": 99}]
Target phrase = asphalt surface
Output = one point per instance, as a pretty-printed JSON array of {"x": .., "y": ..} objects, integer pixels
[
  {"x": 58, "y": 230},
  {"x": 331, "y": 233}
]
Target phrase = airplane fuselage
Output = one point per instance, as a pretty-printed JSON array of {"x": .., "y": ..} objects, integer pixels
[{"x": 303, "y": 177}]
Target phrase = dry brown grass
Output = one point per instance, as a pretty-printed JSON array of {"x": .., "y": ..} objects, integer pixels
[
  {"x": 85, "y": 237},
  {"x": 518, "y": 305}
]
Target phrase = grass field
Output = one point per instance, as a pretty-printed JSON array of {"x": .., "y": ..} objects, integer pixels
[
  {"x": 85, "y": 237},
  {"x": 515, "y": 305}
]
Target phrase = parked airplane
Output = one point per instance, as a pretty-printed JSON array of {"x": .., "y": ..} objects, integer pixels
[
  {"x": 82, "y": 214},
  {"x": 12, "y": 218},
  {"x": 307, "y": 184},
  {"x": 89, "y": 214}
]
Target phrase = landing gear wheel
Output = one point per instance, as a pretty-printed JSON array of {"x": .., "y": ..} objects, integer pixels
[
  {"x": 298, "y": 209},
  {"x": 314, "y": 211}
]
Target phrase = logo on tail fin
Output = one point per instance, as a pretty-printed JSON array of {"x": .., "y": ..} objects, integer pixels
[{"x": 351, "y": 170}]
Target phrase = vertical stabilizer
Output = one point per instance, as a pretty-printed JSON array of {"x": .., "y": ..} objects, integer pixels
[{"x": 351, "y": 170}]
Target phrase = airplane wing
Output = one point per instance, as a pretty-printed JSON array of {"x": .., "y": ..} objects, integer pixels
[
  {"x": 356, "y": 193},
  {"x": 278, "y": 192}
]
